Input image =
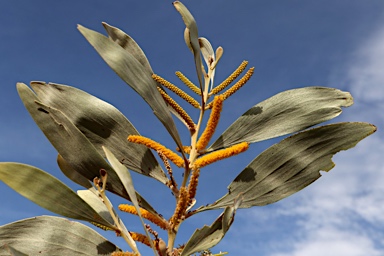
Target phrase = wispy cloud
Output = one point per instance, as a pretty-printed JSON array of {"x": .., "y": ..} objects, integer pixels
[
  {"x": 365, "y": 73},
  {"x": 327, "y": 241}
]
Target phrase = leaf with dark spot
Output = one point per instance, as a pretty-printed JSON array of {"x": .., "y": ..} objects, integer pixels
[
  {"x": 284, "y": 113},
  {"x": 292, "y": 164}
]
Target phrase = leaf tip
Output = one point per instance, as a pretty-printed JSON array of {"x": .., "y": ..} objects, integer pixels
[{"x": 348, "y": 99}]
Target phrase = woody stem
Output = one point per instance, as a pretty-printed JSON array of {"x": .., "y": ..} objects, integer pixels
[{"x": 194, "y": 154}]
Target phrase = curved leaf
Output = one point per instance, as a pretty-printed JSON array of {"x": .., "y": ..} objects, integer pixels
[
  {"x": 206, "y": 51},
  {"x": 102, "y": 124},
  {"x": 126, "y": 179},
  {"x": 207, "y": 237},
  {"x": 127, "y": 42},
  {"x": 48, "y": 192},
  {"x": 71, "y": 173},
  {"x": 191, "y": 37},
  {"x": 209, "y": 56},
  {"x": 284, "y": 113},
  {"x": 292, "y": 164},
  {"x": 134, "y": 74},
  {"x": 71, "y": 144},
  {"x": 46, "y": 235},
  {"x": 91, "y": 197}
]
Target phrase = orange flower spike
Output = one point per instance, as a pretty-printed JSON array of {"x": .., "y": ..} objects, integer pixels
[
  {"x": 163, "y": 224},
  {"x": 213, "y": 120},
  {"x": 239, "y": 83},
  {"x": 102, "y": 226},
  {"x": 186, "y": 149},
  {"x": 230, "y": 79},
  {"x": 220, "y": 154},
  {"x": 188, "y": 83},
  {"x": 175, "y": 158},
  {"x": 176, "y": 90},
  {"x": 141, "y": 238},
  {"x": 188, "y": 120},
  {"x": 192, "y": 187},
  {"x": 182, "y": 205}
]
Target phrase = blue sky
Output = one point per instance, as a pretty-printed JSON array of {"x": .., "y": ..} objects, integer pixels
[{"x": 292, "y": 44}]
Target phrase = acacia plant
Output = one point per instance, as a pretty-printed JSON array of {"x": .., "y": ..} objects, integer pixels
[{"x": 97, "y": 146}]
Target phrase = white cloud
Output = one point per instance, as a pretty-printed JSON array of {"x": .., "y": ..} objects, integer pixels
[
  {"x": 366, "y": 71},
  {"x": 341, "y": 214},
  {"x": 328, "y": 241}
]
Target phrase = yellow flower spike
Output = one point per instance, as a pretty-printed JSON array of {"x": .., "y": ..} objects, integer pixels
[
  {"x": 192, "y": 186},
  {"x": 239, "y": 83},
  {"x": 102, "y": 226},
  {"x": 211, "y": 124},
  {"x": 176, "y": 90},
  {"x": 141, "y": 238},
  {"x": 163, "y": 224},
  {"x": 175, "y": 158},
  {"x": 230, "y": 79},
  {"x": 187, "y": 149},
  {"x": 182, "y": 205},
  {"x": 188, "y": 120},
  {"x": 188, "y": 83},
  {"x": 220, "y": 154}
]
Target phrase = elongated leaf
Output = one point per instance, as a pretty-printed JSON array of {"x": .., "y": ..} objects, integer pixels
[
  {"x": 124, "y": 176},
  {"x": 206, "y": 51},
  {"x": 207, "y": 237},
  {"x": 48, "y": 192},
  {"x": 72, "y": 173},
  {"x": 292, "y": 164},
  {"x": 46, "y": 236},
  {"x": 191, "y": 37},
  {"x": 285, "y": 113},
  {"x": 102, "y": 124},
  {"x": 134, "y": 74},
  {"x": 71, "y": 144},
  {"x": 91, "y": 197},
  {"x": 127, "y": 42},
  {"x": 208, "y": 54},
  {"x": 126, "y": 179}
]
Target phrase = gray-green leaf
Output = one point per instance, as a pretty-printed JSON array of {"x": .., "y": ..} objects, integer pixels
[
  {"x": 209, "y": 55},
  {"x": 102, "y": 124},
  {"x": 71, "y": 173},
  {"x": 91, "y": 196},
  {"x": 72, "y": 144},
  {"x": 292, "y": 164},
  {"x": 191, "y": 36},
  {"x": 287, "y": 112},
  {"x": 134, "y": 74},
  {"x": 48, "y": 235},
  {"x": 207, "y": 237},
  {"x": 48, "y": 192},
  {"x": 127, "y": 42},
  {"x": 126, "y": 179}
]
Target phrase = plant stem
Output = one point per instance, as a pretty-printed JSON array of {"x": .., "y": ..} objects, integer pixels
[{"x": 193, "y": 154}]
